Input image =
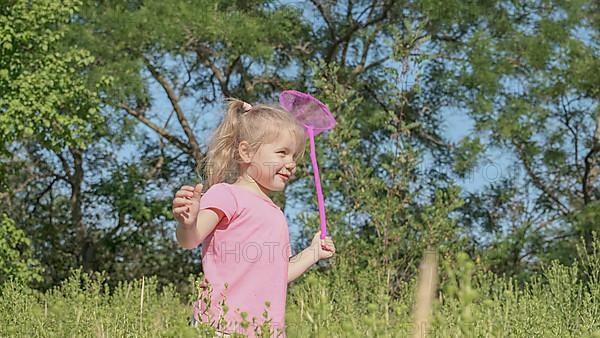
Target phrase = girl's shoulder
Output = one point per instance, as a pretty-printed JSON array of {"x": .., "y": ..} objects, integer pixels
[
  {"x": 220, "y": 196},
  {"x": 240, "y": 194},
  {"x": 220, "y": 189},
  {"x": 220, "y": 186}
]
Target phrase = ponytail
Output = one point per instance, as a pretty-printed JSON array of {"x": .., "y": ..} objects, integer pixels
[{"x": 221, "y": 161}]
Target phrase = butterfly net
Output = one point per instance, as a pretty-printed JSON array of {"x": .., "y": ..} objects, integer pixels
[{"x": 312, "y": 113}]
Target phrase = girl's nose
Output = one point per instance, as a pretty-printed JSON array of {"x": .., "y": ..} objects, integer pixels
[{"x": 290, "y": 165}]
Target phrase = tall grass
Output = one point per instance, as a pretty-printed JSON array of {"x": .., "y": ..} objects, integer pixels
[{"x": 561, "y": 301}]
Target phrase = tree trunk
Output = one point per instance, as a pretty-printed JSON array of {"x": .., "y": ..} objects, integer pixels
[{"x": 86, "y": 248}]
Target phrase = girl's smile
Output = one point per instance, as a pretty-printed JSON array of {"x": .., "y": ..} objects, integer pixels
[
  {"x": 271, "y": 166},
  {"x": 273, "y": 159}
]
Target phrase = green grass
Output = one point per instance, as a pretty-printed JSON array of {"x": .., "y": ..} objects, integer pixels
[{"x": 561, "y": 301}]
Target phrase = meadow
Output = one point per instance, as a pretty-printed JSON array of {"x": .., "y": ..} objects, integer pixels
[{"x": 559, "y": 301}]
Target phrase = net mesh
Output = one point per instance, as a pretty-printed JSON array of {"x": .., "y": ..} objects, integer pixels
[{"x": 311, "y": 112}]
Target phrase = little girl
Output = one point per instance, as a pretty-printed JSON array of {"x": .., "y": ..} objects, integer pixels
[{"x": 244, "y": 234}]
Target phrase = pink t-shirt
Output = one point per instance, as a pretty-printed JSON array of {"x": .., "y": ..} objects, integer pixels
[{"x": 249, "y": 250}]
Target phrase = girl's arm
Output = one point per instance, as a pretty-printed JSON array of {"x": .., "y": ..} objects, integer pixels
[
  {"x": 318, "y": 249},
  {"x": 302, "y": 261},
  {"x": 191, "y": 237}
]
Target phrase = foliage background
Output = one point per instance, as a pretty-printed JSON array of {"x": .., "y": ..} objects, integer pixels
[{"x": 105, "y": 111}]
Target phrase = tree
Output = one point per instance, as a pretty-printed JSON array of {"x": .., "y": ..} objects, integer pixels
[
  {"x": 46, "y": 105},
  {"x": 526, "y": 75},
  {"x": 71, "y": 189},
  {"x": 204, "y": 51},
  {"x": 42, "y": 98},
  {"x": 386, "y": 69},
  {"x": 383, "y": 211}
]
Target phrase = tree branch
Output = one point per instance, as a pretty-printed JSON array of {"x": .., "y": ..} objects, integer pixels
[
  {"x": 44, "y": 192},
  {"x": 160, "y": 131},
  {"x": 346, "y": 46},
  {"x": 537, "y": 181},
  {"x": 195, "y": 147},
  {"x": 66, "y": 167},
  {"x": 376, "y": 63},
  {"x": 326, "y": 17},
  {"x": 5, "y": 196},
  {"x": 230, "y": 69},
  {"x": 591, "y": 169},
  {"x": 355, "y": 26},
  {"x": 159, "y": 162},
  {"x": 574, "y": 134},
  {"x": 363, "y": 58},
  {"x": 218, "y": 74}
]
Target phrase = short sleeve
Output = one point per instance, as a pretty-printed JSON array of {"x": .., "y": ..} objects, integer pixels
[
  {"x": 288, "y": 246},
  {"x": 220, "y": 197}
]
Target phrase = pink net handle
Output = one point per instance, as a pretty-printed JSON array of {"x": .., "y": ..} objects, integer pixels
[
  {"x": 316, "y": 118},
  {"x": 320, "y": 199}
]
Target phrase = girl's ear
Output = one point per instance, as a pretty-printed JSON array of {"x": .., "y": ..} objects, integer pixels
[{"x": 245, "y": 152}]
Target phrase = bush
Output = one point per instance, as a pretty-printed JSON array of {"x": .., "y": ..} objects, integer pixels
[{"x": 16, "y": 262}]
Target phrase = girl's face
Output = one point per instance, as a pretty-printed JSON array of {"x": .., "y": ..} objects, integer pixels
[{"x": 273, "y": 163}]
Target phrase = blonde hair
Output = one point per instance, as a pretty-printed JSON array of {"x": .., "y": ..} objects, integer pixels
[{"x": 263, "y": 123}]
